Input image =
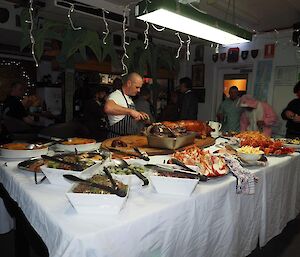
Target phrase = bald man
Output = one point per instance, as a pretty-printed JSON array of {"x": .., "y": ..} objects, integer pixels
[{"x": 119, "y": 107}]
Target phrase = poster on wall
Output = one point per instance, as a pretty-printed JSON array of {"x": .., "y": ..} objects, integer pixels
[
  {"x": 269, "y": 50},
  {"x": 198, "y": 75},
  {"x": 262, "y": 81}
]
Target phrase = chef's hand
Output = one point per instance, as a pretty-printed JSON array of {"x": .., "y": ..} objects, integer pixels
[
  {"x": 138, "y": 115},
  {"x": 145, "y": 116}
]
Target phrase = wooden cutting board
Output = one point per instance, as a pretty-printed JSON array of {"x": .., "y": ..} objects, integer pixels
[{"x": 142, "y": 143}]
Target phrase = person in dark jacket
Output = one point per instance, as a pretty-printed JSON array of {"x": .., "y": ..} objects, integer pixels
[
  {"x": 189, "y": 104},
  {"x": 13, "y": 106},
  {"x": 93, "y": 114},
  {"x": 292, "y": 114}
]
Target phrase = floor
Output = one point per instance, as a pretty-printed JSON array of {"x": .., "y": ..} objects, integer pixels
[{"x": 287, "y": 244}]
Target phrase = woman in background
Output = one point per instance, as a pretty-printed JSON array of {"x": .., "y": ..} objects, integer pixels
[{"x": 256, "y": 115}]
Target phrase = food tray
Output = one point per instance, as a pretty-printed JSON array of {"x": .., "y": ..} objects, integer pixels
[
  {"x": 173, "y": 185},
  {"x": 55, "y": 176},
  {"x": 22, "y": 154},
  {"x": 96, "y": 203},
  {"x": 170, "y": 142}
]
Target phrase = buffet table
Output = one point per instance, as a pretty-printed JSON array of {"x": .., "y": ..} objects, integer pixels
[{"x": 213, "y": 221}]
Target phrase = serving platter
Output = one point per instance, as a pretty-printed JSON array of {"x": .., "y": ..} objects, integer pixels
[
  {"x": 88, "y": 145},
  {"x": 142, "y": 143},
  {"x": 22, "y": 154}
]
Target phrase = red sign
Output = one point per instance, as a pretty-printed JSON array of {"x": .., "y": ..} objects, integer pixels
[{"x": 269, "y": 50}]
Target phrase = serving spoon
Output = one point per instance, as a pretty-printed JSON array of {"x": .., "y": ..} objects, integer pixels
[
  {"x": 32, "y": 146},
  {"x": 123, "y": 164}
]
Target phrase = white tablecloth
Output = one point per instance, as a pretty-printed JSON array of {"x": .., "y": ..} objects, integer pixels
[{"x": 214, "y": 221}]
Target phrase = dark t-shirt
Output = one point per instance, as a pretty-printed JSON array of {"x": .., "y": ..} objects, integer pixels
[
  {"x": 13, "y": 107},
  {"x": 189, "y": 106},
  {"x": 293, "y": 128}
]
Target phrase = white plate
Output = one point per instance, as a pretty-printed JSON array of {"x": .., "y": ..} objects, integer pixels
[
  {"x": 296, "y": 146},
  {"x": 79, "y": 148},
  {"x": 22, "y": 154}
]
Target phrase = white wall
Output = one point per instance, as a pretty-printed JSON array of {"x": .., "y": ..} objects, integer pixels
[{"x": 286, "y": 54}]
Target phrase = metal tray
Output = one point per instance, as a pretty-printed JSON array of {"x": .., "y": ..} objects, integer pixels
[{"x": 170, "y": 142}]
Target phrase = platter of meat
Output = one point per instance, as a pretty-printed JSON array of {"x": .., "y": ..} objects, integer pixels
[
  {"x": 161, "y": 136},
  {"x": 22, "y": 150},
  {"x": 78, "y": 144},
  {"x": 210, "y": 165},
  {"x": 201, "y": 128}
]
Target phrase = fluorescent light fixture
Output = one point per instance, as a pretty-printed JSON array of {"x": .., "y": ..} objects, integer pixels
[{"x": 187, "y": 20}]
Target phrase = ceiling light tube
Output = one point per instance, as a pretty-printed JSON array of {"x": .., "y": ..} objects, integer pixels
[{"x": 185, "y": 19}]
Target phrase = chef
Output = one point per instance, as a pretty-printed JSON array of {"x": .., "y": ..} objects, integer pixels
[{"x": 119, "y": 107}]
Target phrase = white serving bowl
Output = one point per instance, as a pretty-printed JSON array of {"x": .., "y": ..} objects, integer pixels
[
  {"x": 78, "y": 147},
  {"x": 55, "y": 176},
  {"x": 16, "y": 154},
  {"x": 173, "y": 185},
  {"x": 249, "y": 157},
  {"x": 96, "y": 203}
]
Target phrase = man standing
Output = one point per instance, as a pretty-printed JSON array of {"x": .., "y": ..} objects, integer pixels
[
  {"x": 292, "y": 114},
  {"x": 13, "y": 106},
  {"x": 120, "y": 108},
  {"x": 229, "y": 112},
  {"x": 189, "y": 104}
]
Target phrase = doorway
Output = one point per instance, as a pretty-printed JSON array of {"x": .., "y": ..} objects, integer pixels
[{"x": 238, "y": 80}]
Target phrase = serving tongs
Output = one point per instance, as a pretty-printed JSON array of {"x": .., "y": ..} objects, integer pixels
[
  {"x": 123, "y": 164},
  {"x": 74, "y": 166},
  {"x": 137, "y": 153},
  {"x": 181, "y": 164},
  {"x": 116, "y": 191},
  {"x": 189, "y": 174},
  {"x": 143, "y": 154}
]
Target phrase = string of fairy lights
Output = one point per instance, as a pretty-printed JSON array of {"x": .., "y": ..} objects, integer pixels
[
  {"x": 32, "y": 40},
  {"x": 16, "y": 64},
  {"x": 106, "y": 32},
  {"x": 125, "y": 44}
]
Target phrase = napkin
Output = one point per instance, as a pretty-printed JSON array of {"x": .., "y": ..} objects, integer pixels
[{"x": 245, "y": 180}]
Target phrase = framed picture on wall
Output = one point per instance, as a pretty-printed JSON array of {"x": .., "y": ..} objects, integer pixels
[{"x": 198, "y": 75}]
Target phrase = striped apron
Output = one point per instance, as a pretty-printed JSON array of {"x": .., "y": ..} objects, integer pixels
[{"x": 126, "y": 126}]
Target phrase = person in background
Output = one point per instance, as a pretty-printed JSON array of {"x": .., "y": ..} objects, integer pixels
[
  {"x": 292, "y": 114},
  {"x": 229, "y": 112},
  {"x": 117, "y": 84},
  {"x": 93, "y": 114},
  {"x": 13, "y": 106},
  {"x": 170, "y": 112},
  {"x": 188, "y": 108},
  {"x": 122, "y": 115},
  {"x": 256, "y": 115},
  {"x": 143, "y": 104}
]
